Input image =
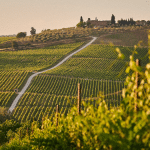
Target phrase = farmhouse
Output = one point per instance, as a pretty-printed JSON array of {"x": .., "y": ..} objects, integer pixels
[
  {"x": 140, "y": 23},
  {"x": 96, "y": 23}
]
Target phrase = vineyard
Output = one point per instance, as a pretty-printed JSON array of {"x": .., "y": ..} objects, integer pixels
[
  {"x": 99, "y": 62},
  {"x": 114, "y": 114},
  {"x": 68, "y": 86},
  {"x": 6, "y": 98},
  {"x": 17, "y": 66},
  {"x": 35, "y": 59},
  {"x": 96, "y": 68},
  {"x": 11, "y": 81},
  {"x": 48, "y": 91}
]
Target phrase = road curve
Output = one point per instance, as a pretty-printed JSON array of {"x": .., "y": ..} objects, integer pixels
[{"x": 32, "y": 76}]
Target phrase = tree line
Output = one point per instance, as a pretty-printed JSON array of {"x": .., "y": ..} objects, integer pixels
[{"x": 121, "y": 22}]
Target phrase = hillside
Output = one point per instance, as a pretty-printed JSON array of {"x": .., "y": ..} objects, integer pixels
[{"x": 96, "y": 67}]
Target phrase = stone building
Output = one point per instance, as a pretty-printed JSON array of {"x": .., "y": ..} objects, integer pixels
[
  {"x": 96, "y": 23},
  {"x": 140, "y": 23}
]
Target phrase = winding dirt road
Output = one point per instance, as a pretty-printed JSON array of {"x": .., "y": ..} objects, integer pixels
[{"x": 32, "y": 76}]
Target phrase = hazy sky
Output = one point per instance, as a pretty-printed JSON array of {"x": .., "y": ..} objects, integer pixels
[{"x": 20, "y": 15}]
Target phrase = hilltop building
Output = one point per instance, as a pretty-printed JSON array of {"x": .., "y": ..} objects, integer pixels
[
  {"x": 140, "y": 23},
  {"x": 106, "y": 23},
  {"x": 96, "y": 23}
]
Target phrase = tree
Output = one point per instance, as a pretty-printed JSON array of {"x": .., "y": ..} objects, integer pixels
[
  {"x": 33, "y": 31},
  {"x": 4, "y": 114},
  {"x": 21, "y": 34},
  {"x": 148, "y": 22},
  {"x": 88, "y": 24},
  {"x": 81, "y": 19},
  {"x": 81, "y": 24},
  {"x": 112, "y": 19}
]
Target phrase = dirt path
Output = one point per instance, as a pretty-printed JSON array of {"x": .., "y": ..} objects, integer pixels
[{"x": 35, "y": 74}]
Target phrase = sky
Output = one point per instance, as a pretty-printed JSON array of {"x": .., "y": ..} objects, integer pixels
[{"x": 20, "y": 15}]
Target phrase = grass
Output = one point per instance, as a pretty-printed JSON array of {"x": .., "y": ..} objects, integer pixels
[{"x": 127, "y": 38}]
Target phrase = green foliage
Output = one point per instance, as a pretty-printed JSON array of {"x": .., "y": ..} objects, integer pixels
[
  {"x": 4, "y": 114},
  {"x": 7, "y": 130},
  {"x": 21, "y": 35},
  {"x": 81, "y": 24},
  {"x": 33, "y": 31}
]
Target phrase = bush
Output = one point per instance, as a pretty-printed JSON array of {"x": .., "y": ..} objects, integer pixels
[{"x": 21, "y": 34}]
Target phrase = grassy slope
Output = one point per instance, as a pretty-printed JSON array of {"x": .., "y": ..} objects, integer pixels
[{"x": 126, "y": 38}]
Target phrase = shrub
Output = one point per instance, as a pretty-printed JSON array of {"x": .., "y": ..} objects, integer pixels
[
  {"x": 33, "y": 31},
  {"x": 21, "y": 34}
]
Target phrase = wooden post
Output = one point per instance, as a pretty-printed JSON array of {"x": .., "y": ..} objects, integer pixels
[
  {"x": 137, "y": 85},
  {"x": 57, "y": 111},
  {"x": 79, "y": 99}
]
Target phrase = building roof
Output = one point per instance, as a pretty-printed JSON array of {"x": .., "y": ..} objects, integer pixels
[{"x": 99, "y": 23}]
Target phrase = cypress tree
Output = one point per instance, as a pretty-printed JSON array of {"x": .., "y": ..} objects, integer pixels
[
  {"x": 81, "y": 19},
  {"x": 112, "y": 19}
]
